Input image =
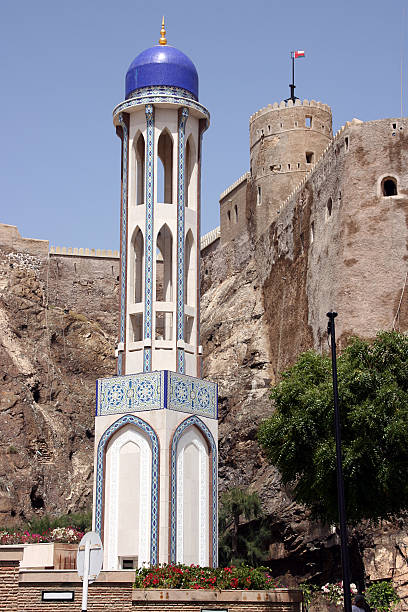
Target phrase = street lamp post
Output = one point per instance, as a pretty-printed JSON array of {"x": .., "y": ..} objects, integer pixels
[{"x": 345, "y": 562}]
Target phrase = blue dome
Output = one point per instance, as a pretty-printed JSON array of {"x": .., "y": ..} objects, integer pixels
[{"x": 162, "y": 65}]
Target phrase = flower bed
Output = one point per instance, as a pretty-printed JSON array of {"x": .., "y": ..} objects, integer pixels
[
  {"x": 177, "y": 576},
  {"x": 68, "y": 535}
]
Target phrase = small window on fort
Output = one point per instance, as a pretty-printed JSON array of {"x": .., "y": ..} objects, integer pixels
[
  {"x": 329, "y": 207},
  {"x": 309, "y": 157},
  {"x": 312, "y": 231},
  {"x": 389, "y": 187},
  {"x": 346, "y": 143},
  {"x": 308, "y": 121},
  {"x": 288, "y": 166},
  {"x": 259, "y": 196},
  {"x": 281, "y": 124},
  {"x": 394, "y": 126},
  {"x": 269, "y": 128},
  {"x": 298, "y": 165},
  {"x": 296, "y": 123},
  {"x": 236, "y": 213},
  {"x": 229, "y": 216}
]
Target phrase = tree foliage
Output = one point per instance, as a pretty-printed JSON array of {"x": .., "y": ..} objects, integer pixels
[
  {"x": 299, "y": 437},
  {"x": 241, "y": 545}
]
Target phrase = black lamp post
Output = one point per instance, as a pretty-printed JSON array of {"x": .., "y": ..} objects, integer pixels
[{"x": 345, "y": 562}]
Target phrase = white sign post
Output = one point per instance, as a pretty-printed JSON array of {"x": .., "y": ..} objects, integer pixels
[{"x": 89, "y": 562}]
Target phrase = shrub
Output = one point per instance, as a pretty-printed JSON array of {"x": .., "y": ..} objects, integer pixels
[
  {"x": 177, "y": 576},
  {"x": 381, "y": 596}
]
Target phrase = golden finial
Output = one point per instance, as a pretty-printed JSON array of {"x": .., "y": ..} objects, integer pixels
[{"x": 163, "y": 39}]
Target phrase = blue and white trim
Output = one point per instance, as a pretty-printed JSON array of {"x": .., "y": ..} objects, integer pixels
[
  {"x": 180, "y": 240},
  {"x": 149, "y": 250},
  {"x": 123, "y": 236},
  {"x": 190, "y": 422},
  {"x": 100, "y": 461}
]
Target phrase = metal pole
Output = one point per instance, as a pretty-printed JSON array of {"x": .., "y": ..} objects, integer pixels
[
  {"x": 86, "y": 577},
  {"x": 292, "y": 85},
  {"x": 331, "y": 330}
]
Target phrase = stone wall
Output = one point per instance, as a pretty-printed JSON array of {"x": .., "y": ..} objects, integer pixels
[
  {"x": 233, "y": 213},
  {"x": 10, "y": 240}
]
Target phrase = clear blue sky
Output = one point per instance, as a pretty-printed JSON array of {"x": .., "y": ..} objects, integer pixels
[{"x": 63, "y": 65}]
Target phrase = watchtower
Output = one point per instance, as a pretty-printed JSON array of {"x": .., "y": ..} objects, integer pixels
[{"x": 286, "y": 139}]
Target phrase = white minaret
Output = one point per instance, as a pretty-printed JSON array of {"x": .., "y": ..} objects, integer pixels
[{"x": 156, "y": 432}]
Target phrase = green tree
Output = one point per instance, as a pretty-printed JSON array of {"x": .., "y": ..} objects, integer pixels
[
  {"x": 299, "y": 437},
  {"x": 246, "y": 544}
]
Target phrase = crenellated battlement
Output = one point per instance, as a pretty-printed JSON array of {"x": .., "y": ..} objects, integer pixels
[
  {"x": 289, "y": 104},
  {"x": 205, "y": 241},
  {"x": 84, "y": 252}
]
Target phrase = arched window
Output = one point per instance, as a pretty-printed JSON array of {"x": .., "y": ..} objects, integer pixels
[
  {"x": 189, "y": 267},
  {"x": 137, "y": 261},
  {"x": 389, "y": 186},
  {"x": 164, "y": 280},
  {"x": 190, "y": 174},
  {"x": 165, "y": 168},
  {"x": 140, "y": 169}
]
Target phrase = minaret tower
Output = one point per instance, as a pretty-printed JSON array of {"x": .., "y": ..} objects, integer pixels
[{"x": 155, "y": 497}]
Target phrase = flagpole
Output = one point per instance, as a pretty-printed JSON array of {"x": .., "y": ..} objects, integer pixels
[{"x": 292, "y": 85}]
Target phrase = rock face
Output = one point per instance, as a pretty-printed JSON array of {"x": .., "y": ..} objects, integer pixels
[{"x": 50, "y": 356}]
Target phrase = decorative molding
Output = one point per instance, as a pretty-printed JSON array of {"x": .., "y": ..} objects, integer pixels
[
  {"x": 123, "y": 236},
  {"x": 213, "y": 470},
  {"x": 149, "y": 247},
  {"x": 161, "y": 90},
  {"x": 180, "y": 236},
  {"x": 100, "y": 478},
  {"x": 165, "y": 98},
  {"x": 158, "y": 390}
]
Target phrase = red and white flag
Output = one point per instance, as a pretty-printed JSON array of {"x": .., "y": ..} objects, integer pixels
[{"x": 298, "y": 54}]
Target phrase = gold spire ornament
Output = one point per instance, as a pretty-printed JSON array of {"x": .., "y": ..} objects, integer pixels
[{"x": 163, "y": 39}]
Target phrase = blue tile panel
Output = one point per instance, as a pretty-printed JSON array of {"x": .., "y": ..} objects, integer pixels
[
  {"x": 180, "y": 236},
  {"x": 162, "y": 65},
  {"x": 149, "y": 250},
  {"x": 123, "y": 241},
  {"x": 156, "y": 391},
  {"x": 100, "y": 460},
  {"x": 189, "y": 422}
]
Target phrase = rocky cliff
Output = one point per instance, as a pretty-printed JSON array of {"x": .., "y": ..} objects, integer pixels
[{"x": 58, "y": 327}]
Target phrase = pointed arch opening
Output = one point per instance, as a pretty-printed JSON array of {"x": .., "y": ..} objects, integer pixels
[
  {"x": 137, "y": 259},
  {"x": 165, "y": 168},
  {"x": 193, "y": 456},
  {"x": 189, "y": 270},
  {"x": 139, "y": 147},
  {"x": 164, "y": 260},
  {"x": 190, "y": 174}
]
